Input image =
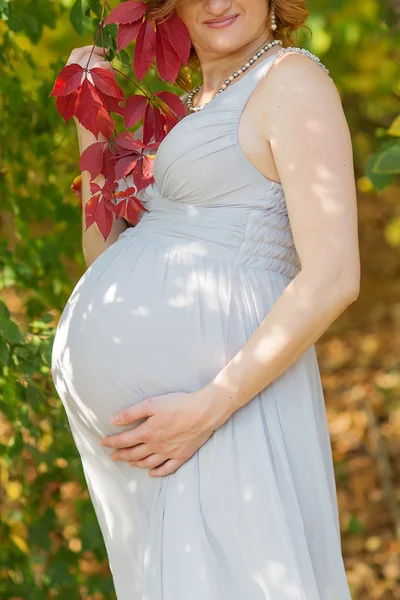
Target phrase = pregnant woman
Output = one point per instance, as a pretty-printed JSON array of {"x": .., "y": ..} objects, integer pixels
[{"x": 195, "y": 328}]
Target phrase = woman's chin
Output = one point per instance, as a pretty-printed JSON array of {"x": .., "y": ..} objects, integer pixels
[{"x": 221, "y": 45}]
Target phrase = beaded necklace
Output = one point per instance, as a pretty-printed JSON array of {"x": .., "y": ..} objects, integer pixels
[{"x": 257, "y": 55}]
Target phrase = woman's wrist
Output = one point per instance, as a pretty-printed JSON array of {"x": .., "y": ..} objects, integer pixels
[{"x": 219, "y": 402}]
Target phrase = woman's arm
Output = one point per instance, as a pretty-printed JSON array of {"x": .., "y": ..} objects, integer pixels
[
  {"x": 93, "y": 243},
  {"x": 300, "y": 110}
]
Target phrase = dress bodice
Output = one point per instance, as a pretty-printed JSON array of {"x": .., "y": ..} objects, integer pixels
[{"x": 209, "y": 198}]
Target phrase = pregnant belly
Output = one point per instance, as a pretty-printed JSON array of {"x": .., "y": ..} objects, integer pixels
[{"x": 146, "y": 319}]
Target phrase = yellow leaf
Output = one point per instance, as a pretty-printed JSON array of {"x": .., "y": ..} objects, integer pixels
[
  {"x": 394, "y": 129},
  {"x": 392, "y": 232},
  {"x": 3, "y": 471},
  {"x": 19, "y": 535},
  {"x": 20, "y": 543},
  {"x": 45, "y": 442},
  {"x": 364, "y": 184},
  {"x": 14, "y": 490},
  {"x": 19, "y": 529}
]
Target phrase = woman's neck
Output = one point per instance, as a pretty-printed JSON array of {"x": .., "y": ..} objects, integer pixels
[{"x": 216, "y": 69}]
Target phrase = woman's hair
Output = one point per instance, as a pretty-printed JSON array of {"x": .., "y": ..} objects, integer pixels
[{"x": 290, "y": 15}]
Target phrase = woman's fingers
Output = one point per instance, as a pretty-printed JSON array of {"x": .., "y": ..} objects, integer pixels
[
  {"x": 132, "y": 454},
  {"x": 79, "y": 54},
  {"x": 104, "y": 65},
  {"x": 170, "y": 466},
  {"x": 150, "y": 462}
]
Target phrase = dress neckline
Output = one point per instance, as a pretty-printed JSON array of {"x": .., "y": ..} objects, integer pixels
[
  {"x": 242, "y": 77},
  {"x": 211, "y": 103}
]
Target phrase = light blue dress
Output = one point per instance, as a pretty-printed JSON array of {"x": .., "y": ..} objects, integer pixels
[{"x": 253, "y": 514}]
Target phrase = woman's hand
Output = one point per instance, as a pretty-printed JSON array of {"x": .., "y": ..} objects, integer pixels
[
  {"x": 176, "y": 426},
  {"x": 81, "y": 55}
]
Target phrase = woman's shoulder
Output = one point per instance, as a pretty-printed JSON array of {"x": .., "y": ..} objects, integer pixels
[
  {"x": 294, "y": 50},
  {"x": 295, "y": 62},
  {"x": 297, "y": 92},
  {"x": 295, "y": 76}
]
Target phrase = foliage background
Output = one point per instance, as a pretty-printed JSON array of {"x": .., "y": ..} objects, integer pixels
[{"x": 50, "y": 542}]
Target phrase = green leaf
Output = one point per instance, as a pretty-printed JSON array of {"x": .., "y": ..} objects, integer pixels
[
  {"x": 32, "y": 28},
  {"x": 96, "y": 7},
  {"x": 47, "y": 318},
  {"x": 60, "y": 575},
  {"x": 4, "y": 312},
  {"x": 388, "y": 161},
  {"x": 4, "y": 351},
  {"x": 9, "y": 330},
  {"x": 355, "y": 526},
  {"x": 16, "y": 445},
  {"x": 380, "y": 181},
  {"x": 125, "y": 58},
  {"x": 24, "y": 352},
  {"x": 80, "y": 16},
  {"x": 109, "y": 35},
  {"x": 4, "y": 8}
]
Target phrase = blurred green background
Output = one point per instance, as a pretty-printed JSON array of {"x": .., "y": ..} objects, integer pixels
[{"x": 51, "y": 546}]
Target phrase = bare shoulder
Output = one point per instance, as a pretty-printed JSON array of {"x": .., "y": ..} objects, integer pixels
[
  {"x": 295, "y": 88},
  {"x": 300, "y": 74},
  {"x": 300, "y": 56}
]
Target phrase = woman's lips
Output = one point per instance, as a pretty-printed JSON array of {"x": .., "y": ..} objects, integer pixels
[{"x": 226, "y": 22}]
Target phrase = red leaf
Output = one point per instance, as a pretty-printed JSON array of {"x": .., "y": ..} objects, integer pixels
[
  {"x": 68, "y": 80},
  {"x": 179, "y": 37},
  {"x": 173, "y": 102},
  {"x": 126, "y": 12},
  {"x": 109, "y": 164},
  {"x": 168, "y": 62},
  {"x": 159, "y": 123},
  {"x": 120, "y": 209},
  {"x": 105, "y": 123},
  {"x": 134, "y": 109},
  {"x": 148, "y": 124},
  {"x": 99, "y": 208},
  {"x": 94, "y": 187},
  {"x": 143, "y": 173},
  {"x": 105, "y": 81},
  {"x": 92, "y": 159},
  {"x": 170, "y": 121},
  {"x": 147, "y": 167},
  {"x": 122, "y": 153},
  {"x": 87, "y": 107},
  {"x": 108, "y": 189},
  {"x": 133, "y": 207},
  {"x": 125, "y": 166},
  {"x": 145, "y": 49},
  {"x": 127, "y": 33},
  {"x": 104, "y": 219},
  {"x": 127, "y": 141},
  {"x": 129, "y": 191},
  {"x": 90, "y": 210},
  {"x": 66, "y": 105},
  {"x": 130, "y": 206},
  {"x": 112, "y": 104}
]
